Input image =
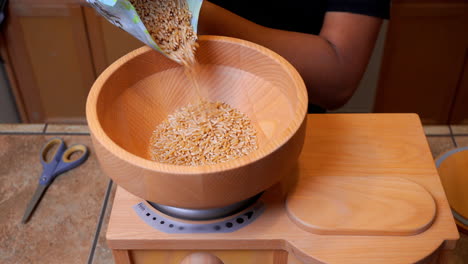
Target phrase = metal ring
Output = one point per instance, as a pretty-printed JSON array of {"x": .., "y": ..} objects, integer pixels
[{"x": 205, "y": 214}]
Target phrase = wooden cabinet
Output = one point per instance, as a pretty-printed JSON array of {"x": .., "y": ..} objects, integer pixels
[
  {"x": 55, "y": 50},
  {"x": 50, "y": 59},
  {"x": 460, "y": 105},
  {"x": 424, "y": 66},
  {"x": 107, "y": 42}
]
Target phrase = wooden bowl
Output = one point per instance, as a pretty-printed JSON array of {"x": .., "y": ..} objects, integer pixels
[{"x": 138, "y": 91}]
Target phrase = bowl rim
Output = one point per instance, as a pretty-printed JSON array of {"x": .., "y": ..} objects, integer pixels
[{"x": 99, "y": 134}]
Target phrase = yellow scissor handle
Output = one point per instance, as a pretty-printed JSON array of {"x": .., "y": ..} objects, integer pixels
[
  {"x": 45, "y": 158},
  {"x": 75, "y": 148}
]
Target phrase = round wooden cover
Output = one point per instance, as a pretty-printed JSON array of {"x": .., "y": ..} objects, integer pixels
[{"x": 334, "y": 205}]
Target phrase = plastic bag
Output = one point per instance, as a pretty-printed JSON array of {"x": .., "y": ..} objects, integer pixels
[{"x": 122, "y": 14}]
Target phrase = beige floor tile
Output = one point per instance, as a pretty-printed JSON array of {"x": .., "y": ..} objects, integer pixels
[
  {"x": 65, "y": 129},
  {"x": 436, "y": 130},
  {"x": 440, "y": 145},
  {"x": 462, "y": 141},
  {"x": 460, "y": 254},
  {"x": 461, "y": 251},
  {"x": 22, "y": 128},
  {"x": 61, "y": 229},
  {"x": 102, "y": 253},
  {"x": 460, "y": 129}
]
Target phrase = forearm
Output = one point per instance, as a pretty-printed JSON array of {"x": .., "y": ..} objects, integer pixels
[
  {"x": 327, "y": 73},
  {"x": 315, "y": 59}
]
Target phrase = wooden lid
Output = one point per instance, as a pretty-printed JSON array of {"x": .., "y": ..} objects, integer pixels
[
  {"x": 453, "y": 171},
  {"x": 361, "y": 206}
]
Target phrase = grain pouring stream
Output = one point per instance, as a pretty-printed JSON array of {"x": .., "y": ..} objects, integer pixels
[{"x": 202, "y": 133}]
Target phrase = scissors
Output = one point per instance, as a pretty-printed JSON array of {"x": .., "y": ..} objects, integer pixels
[{"x": 59, "y": 163}]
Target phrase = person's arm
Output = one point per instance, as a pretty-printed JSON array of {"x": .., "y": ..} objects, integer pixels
[{"x": 331, "y": 64}]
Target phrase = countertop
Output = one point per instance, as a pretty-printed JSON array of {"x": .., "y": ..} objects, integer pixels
[{"x": 65, "y": 228}]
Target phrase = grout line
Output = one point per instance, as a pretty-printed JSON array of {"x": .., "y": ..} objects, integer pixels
[
  {"x": 45, "y": 128},
  {"x": 22, "y": 133},
  {"x": 99, "y": 225},
  {"x": 460, "y": 135},
  {"x": 453, "y": 137},
  {"x": 448, "y": 135},
  {"x": 438, "y": 135},
  {"x": 69, "y": 134}
]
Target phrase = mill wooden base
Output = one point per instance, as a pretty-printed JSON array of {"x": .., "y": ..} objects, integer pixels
[{"x": 365, "y": 191}]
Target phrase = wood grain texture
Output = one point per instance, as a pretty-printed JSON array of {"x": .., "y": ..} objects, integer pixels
[
  {"x": 280, "y": 257},
  {"x": 41, "y": 10},
  {"x": 83, "y": 53},
  {"x": 55, "y": 61},
  {"x": 61, "y": 85},
  {"x": 416, "y": 77},
  {"x": 201, "y": 258},
  {"x": 459, "y": 113},
  {"x": 385, "y": 145},
  {"x": 44, "y": 3},
  {"x": 21, "y": 63},
  {"x": 108, "y": 42},
  {"x": 122, "y": 256},
  {"x": 360, "y": 206},
  {"x": 207, "y": 256},
  {"x": 453, "y": 173},
  {"x": 137, "y": 92},
  {"x": 96, "y": 39},
  {"x": 12, "y": 79},
  {"x": 293, "y": 260}
]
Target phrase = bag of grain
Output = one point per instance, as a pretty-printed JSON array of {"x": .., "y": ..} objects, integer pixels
[{"x": 168, "y": 26}]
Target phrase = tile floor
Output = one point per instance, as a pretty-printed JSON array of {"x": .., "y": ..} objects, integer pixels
[{"x": 71, "y": 202}]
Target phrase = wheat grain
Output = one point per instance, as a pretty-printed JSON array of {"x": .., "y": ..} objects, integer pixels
[
  {"x": 169, "y": 24},
  {"x": 206, "y": 133}
]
